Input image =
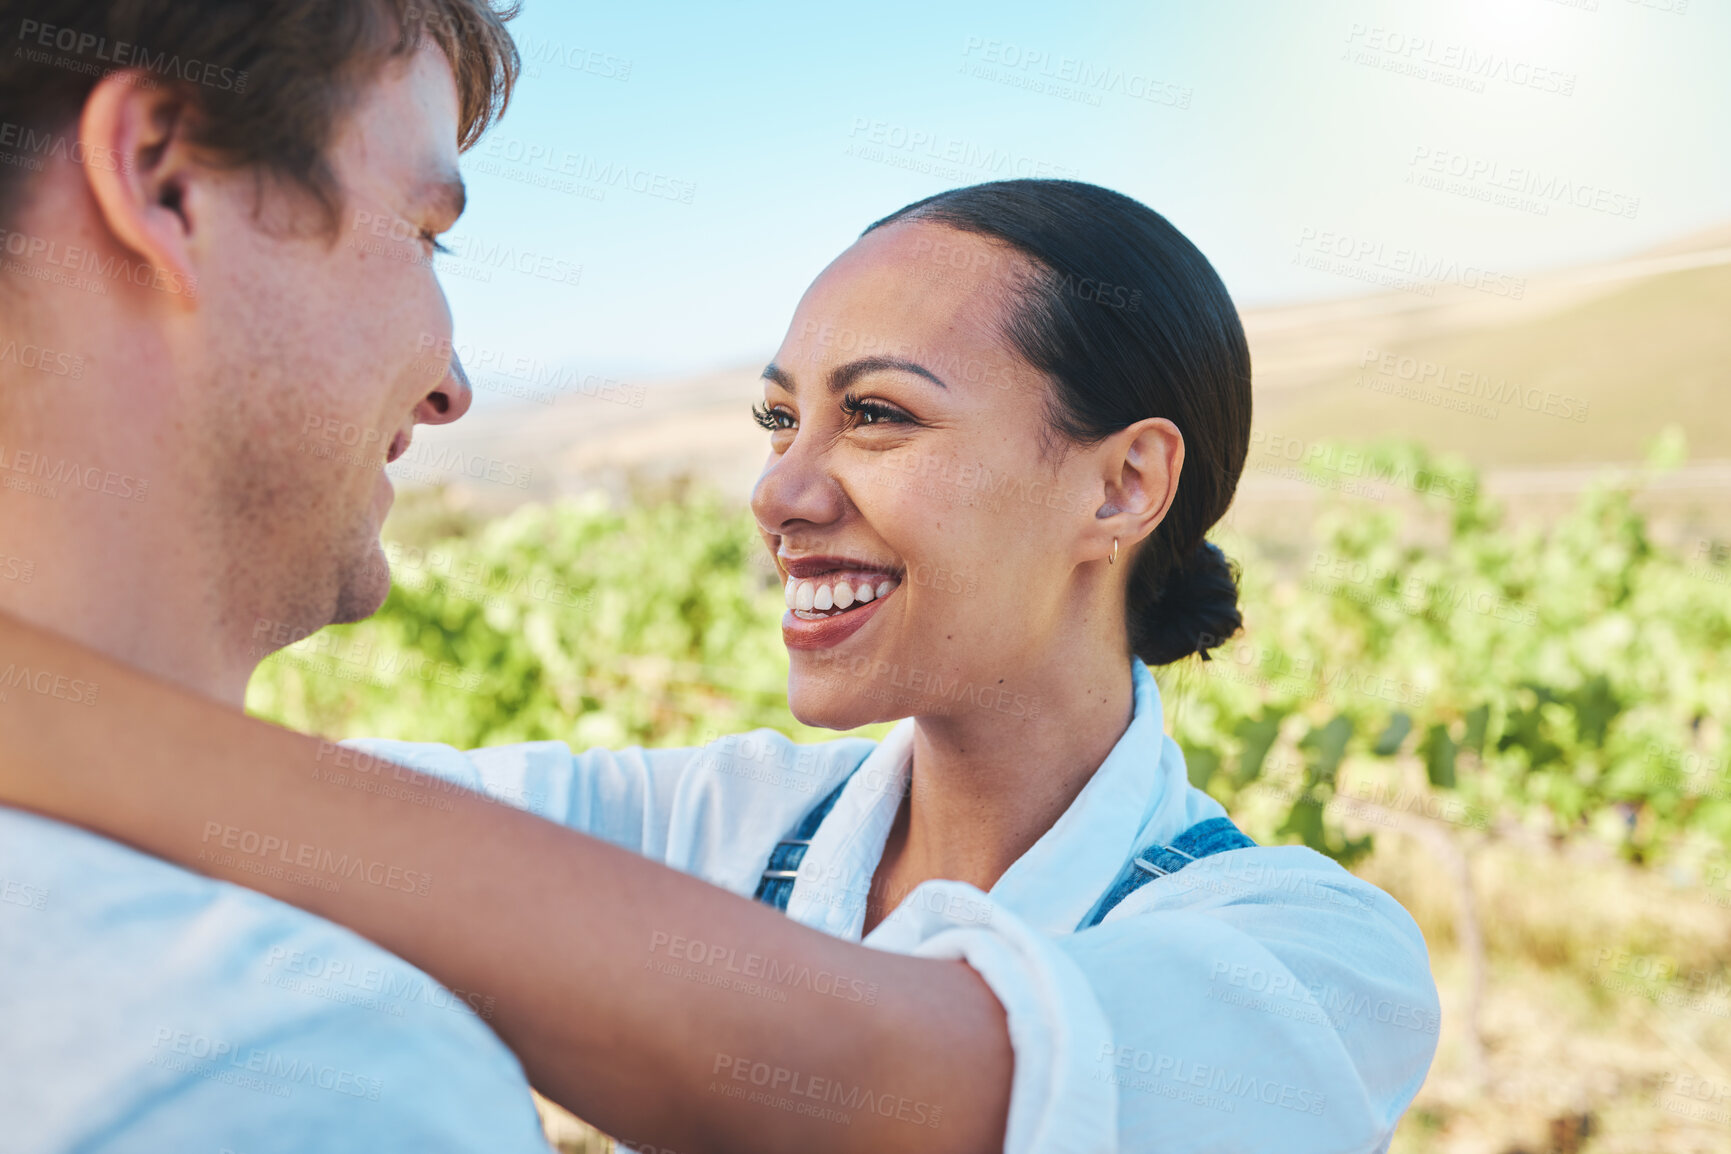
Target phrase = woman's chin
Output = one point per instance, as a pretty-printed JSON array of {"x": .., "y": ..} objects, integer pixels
[{"x": 840, "y": 703}]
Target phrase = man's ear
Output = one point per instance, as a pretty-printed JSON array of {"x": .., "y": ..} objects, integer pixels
[
  {"x": 1142, "y": 465},
  {"x": 143, "y": 196}
]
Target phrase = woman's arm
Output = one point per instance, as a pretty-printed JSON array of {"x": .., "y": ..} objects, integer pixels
[{"x": 571, "y": 938}]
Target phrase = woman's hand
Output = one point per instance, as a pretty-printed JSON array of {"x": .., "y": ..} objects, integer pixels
[{"x": 555, "y": 927}]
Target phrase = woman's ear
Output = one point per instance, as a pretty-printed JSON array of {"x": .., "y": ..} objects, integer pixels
[
  {"x": 141, "y": 188},
  {"x": 1142, "y": 465}
]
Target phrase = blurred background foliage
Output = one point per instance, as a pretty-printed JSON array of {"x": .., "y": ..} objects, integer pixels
[
  {"x": 1514, "y": 725},
  {"x": 1568, "y": 678}
]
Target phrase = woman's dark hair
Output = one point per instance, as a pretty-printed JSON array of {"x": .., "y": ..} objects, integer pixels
[{"x": 1130, "y": 321}]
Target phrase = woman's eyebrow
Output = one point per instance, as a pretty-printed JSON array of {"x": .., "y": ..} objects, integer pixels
[
  {"x": 840, "y": 378},
  {"x": 847, "y": 374}
]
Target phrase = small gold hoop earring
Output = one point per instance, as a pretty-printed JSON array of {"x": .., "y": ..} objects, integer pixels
[{"x": 1113, "y": 559}]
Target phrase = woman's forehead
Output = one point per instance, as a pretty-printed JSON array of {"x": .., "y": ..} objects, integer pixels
[{"x": 910, "y": 285}]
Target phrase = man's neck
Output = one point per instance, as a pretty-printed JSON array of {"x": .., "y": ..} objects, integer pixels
[{"x": 112, "y": 564}]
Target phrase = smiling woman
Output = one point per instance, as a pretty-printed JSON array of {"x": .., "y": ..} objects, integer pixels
[{"x": 1000, "y": 427}]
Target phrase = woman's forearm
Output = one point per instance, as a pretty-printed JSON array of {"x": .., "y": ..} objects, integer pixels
[{"x": 588, "y": 954}]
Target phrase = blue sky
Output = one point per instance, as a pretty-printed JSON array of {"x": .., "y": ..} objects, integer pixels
[{"x": 700, "y": 163}]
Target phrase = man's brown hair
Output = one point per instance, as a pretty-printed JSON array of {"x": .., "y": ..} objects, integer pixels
[{"x": 267, "y": 81}]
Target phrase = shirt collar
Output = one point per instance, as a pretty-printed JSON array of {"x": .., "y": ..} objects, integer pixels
[{"x": 1141, "y": 783}]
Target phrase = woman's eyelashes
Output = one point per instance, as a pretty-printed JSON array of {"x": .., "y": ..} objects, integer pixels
[
  {"x": 860, "y": 413},
  {"x": 432, "y": 238},
  {"x": 771, "y": 418},
  {"x": 872, "y": 412}
]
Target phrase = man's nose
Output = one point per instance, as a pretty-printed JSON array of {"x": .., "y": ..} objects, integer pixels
[{"x": 449, "y": 400}]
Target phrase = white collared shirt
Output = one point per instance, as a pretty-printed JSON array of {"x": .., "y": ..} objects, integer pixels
[{"x": 1260, "y": 999}]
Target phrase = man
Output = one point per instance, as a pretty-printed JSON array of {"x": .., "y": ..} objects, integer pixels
[{"x": 216, "y": 301}]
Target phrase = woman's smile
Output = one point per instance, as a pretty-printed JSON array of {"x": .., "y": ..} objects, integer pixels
[{"x": 830, "y": 598}]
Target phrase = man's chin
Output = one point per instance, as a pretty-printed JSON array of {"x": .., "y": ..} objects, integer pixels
[{"x": 363, "y": 591}]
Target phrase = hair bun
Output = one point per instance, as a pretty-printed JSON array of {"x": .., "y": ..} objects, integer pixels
[{"x": 1194, "y": 610}]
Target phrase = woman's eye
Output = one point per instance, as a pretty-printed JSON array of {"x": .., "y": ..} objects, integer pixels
[
  {"x": 432, "y": 238},
  {"x": 774, "y": 419},
  {"x": 873, "y": 412}
]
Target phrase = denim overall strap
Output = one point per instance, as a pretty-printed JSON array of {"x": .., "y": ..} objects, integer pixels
[
  {"x": 777, "y": 884},
  {"x": 1205, "y": 838}
]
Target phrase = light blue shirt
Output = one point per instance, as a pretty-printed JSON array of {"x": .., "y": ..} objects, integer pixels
[
  {"x": 148, "y": 1010},
  {"x": 1259, "y": 999}
]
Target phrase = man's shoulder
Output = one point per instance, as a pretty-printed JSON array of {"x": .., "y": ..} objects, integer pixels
[{"x": 136, "y": 991}]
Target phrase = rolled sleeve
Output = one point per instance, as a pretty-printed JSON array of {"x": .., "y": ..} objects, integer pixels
[
  {"x": 1193, "y": 1021},
  {"x": 1057, "y": 1103}
]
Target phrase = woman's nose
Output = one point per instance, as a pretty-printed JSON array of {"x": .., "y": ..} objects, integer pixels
[{"x": 797, "y": 489}]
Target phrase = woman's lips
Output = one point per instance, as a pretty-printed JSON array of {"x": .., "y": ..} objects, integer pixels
[{"x": 802, "y": 632}]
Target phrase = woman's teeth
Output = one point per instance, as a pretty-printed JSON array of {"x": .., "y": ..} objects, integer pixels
[{"x": 825, "y": 597}]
